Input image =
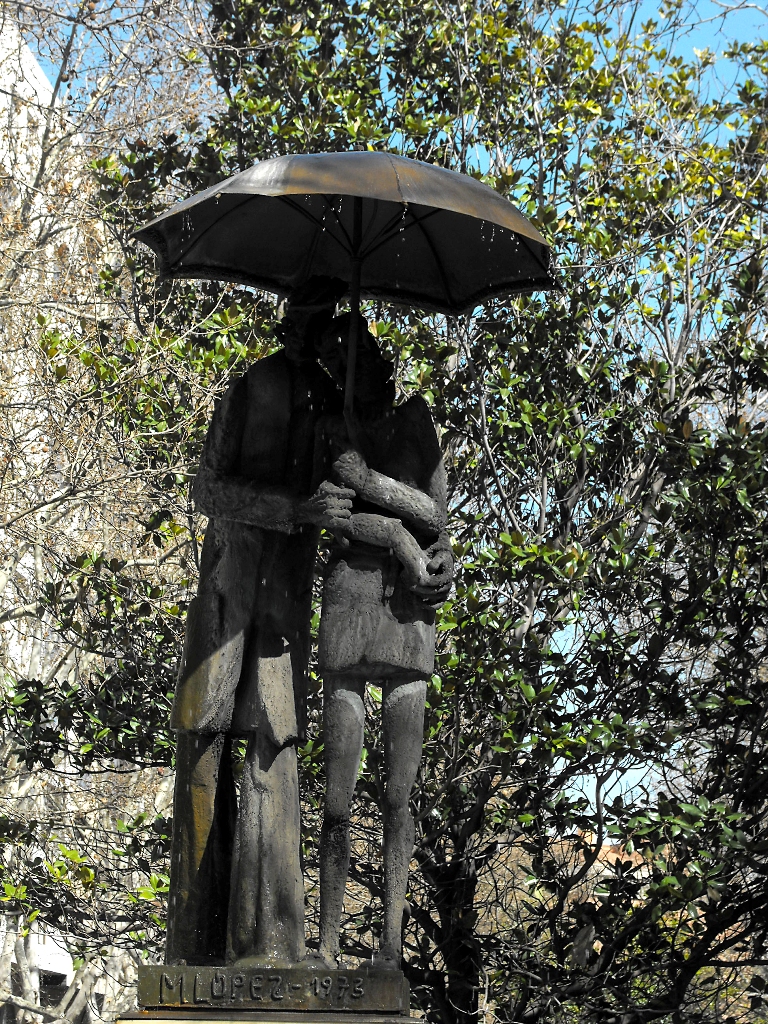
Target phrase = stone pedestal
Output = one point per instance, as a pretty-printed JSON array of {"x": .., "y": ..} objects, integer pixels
[
  {"x": 250, "y": 1017},
  {"x": 304, "y": 994}
]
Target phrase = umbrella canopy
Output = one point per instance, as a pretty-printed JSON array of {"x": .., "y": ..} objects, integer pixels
[{"x": 395, "y": 229}]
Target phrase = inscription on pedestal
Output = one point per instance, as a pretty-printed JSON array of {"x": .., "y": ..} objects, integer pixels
[{"x": 294, "y": 988}]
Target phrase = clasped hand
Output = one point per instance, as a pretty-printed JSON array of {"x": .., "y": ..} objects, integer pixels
[
  {"x": 331, "y": 504},
  {"x": 330, "y": 507},
  {"x": 435, "y": 591},
  {"x": 351, "y": 469}
]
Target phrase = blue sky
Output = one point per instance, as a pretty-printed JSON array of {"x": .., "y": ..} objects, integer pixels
[{"x": 717, "y": 26}]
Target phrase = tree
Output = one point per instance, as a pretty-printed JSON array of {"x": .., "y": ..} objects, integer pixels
[
  {"x": 592, "y": 796},
  {"x": 83, "y": 854}
]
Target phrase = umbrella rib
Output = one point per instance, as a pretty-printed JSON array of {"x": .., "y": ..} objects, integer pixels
[
  {"x": 215, "y": 224},
  {"x": 438, "y": 264},
  {"x": 387, "y": 232},
  {"x": 314, "y": 220},
  {"x": 391, "y": 233},
  {"x": 315, "y": 237},
  {"x": 341, "y": 225},
  {"x": 334, "y": 211}
]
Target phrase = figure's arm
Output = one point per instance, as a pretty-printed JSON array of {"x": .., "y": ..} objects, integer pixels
[
  {"x": 221, "y": 493},
  {"x": 385, "y": 532},
  {"x": 424, "y": 509},
  {"x": 272, "y": 508},
  {"x": 428, "y": 572},
  {"x": 418, "y": 507}
]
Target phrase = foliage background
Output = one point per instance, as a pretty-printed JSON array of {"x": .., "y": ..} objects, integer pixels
[{"x": 591, "y": 803}]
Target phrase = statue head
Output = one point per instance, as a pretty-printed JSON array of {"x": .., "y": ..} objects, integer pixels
[
  {"x": 308, "y": 310},
  {"x": 373, "y": 373}
]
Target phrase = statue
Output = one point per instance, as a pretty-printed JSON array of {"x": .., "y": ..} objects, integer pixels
[
  {"x": 278, "y": 464},
  {"x": 236, "y": 894},
  {"x": 236, "y": 891},
  {"x": 390, "y": 567}
]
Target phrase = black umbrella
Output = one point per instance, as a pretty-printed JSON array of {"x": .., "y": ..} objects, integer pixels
[{"x": 395, "y": 229}]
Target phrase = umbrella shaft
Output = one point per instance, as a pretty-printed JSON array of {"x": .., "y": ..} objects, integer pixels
[{"x": 354, "y": 308}]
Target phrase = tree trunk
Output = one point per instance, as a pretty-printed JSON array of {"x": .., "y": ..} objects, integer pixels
[
  {"x": 11, "y": 922},
  {"x": 453, "y": 887}
]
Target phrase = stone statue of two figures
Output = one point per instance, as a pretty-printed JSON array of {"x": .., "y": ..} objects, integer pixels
[{"x": 278, "y": 465}]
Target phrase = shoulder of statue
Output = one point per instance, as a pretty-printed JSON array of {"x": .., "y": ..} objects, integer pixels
[
  {"x": 416, "y": 411},
  {"x": 271, "y": 367},
  {"x": 269, "y": 379}
]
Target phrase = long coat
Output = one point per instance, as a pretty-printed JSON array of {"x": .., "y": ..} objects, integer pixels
[{"x": 247, "y": 641}]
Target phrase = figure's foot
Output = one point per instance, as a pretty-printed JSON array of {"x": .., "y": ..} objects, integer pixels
[
  {"x": 384, "y": 960},
  {"x": 265, "y": 962},
  {"x": 317, "y": 958}
]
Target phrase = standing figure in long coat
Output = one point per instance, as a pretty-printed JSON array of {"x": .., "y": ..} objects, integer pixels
[{"x": 236, "y": 892}]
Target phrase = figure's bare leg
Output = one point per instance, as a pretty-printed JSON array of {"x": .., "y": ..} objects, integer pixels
[
  {"x": 343, "y": 725},
  {"x": 204, "y": 812},
  {"x": 403, "y": 711}
]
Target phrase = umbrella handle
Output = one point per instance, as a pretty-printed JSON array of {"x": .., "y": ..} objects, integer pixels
[{"x": 354, "y": 325}]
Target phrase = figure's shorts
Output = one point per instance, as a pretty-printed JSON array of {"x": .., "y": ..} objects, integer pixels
[{"x": 372, "y": 626}]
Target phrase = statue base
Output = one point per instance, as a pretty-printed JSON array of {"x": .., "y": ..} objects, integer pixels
[
  {"x": 260, "y": 993},
  {"x": 252, "y": 1017}
]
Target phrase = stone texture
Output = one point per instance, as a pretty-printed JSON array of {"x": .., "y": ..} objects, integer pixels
[
  {"x": 236, "y": 887},
  {"x": 390, "y": 567},
  {"x": 302, "y": 989},
  {"x": 211, "y": 1016}
]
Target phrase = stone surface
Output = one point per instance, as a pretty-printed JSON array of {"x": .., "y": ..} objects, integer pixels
[
  {"x": 236, "y": 888},
  {"x": 302, "y": 989},
  {"x": 389, "y": 569},
  {"x": 206, "y": 1016},
  {"x": 280, "y": 462}
]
